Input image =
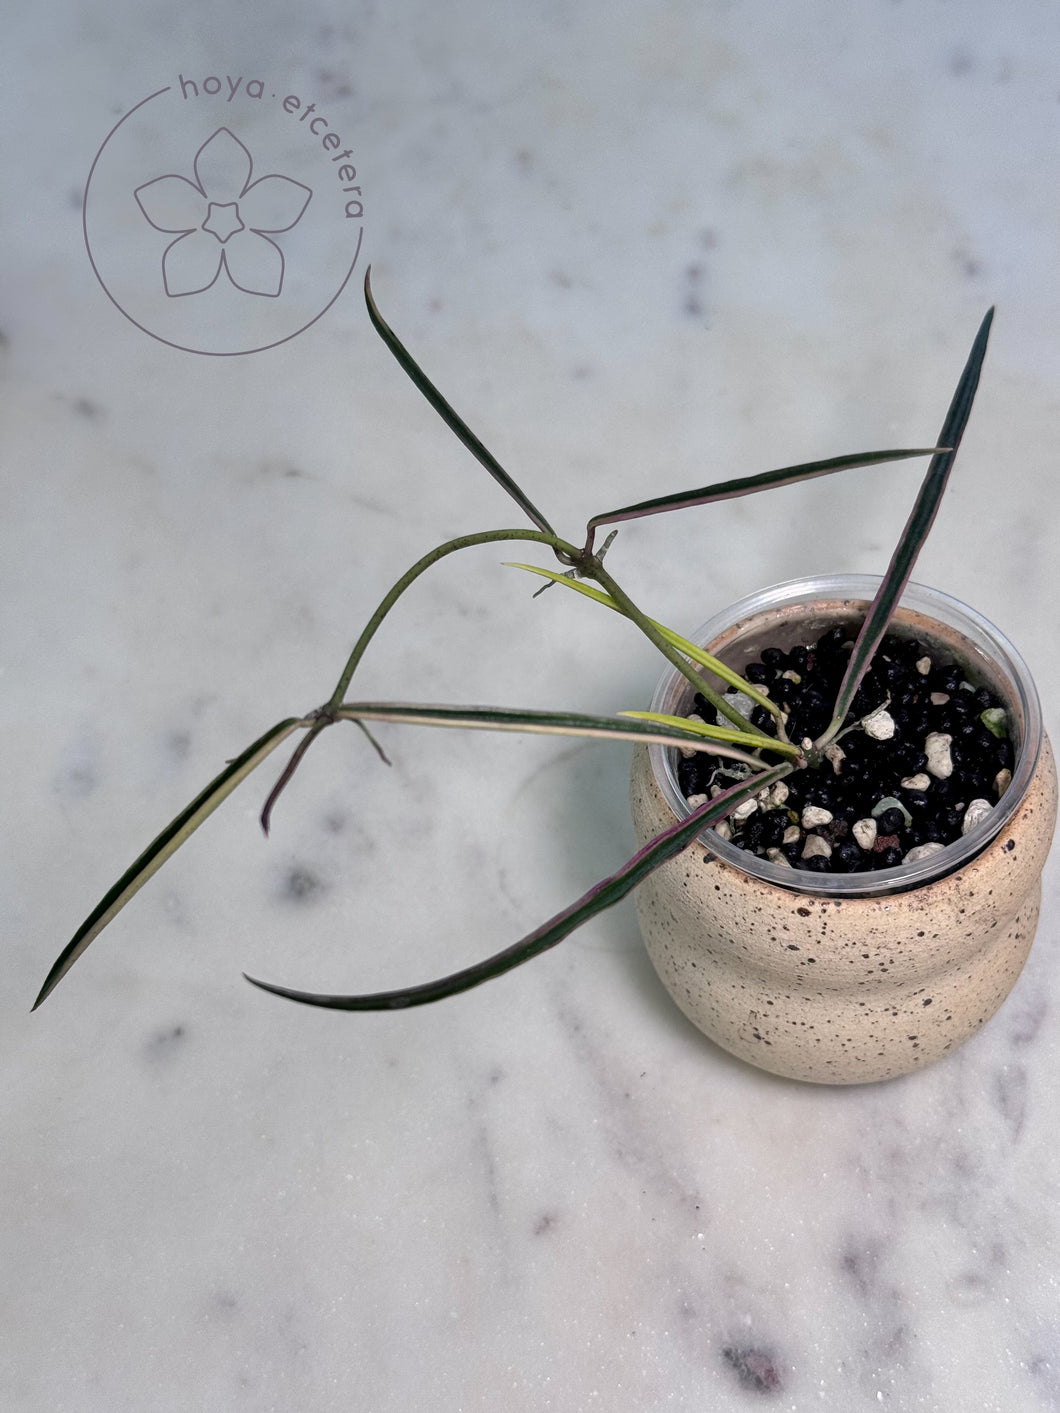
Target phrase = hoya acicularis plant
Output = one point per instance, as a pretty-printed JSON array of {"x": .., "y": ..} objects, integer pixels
[{"x": 764, "y": 756}]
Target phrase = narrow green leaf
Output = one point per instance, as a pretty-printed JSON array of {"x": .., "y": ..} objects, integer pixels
[
  {"x": 557, "y": 576},
  {"x": 920, "y": 521},
  {"x": 719, "y": 733},
  {"x": 747, "y": 485},
  {"x": 595, "y": 570},
  {"x": 557, "y": 723},
  {"x": 684, "y": 645},
  {"x": 448, "y": 414},
  {"x": 166, "y": 844},
  {"x": 604, "y": 895}
]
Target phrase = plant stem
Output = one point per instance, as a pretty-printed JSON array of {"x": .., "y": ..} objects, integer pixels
[
  {"x": 484, "y": 537},
  {"x": 595, "y": 570}
]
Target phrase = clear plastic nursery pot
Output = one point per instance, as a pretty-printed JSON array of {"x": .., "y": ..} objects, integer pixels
[{"x": 849, "y": 978}]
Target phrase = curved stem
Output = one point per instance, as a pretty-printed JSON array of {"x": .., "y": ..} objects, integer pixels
[
  {"x": 327, "y": 714},
  {"x": 484, "y": 537}
]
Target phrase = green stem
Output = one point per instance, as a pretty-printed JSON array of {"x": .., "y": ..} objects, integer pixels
[
  {"x": 484, "y": 537},
  {"x": 595, "y": 570}
]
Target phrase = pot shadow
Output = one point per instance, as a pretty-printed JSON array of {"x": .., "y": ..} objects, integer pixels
[
  {"x": 587, "y": 787},
  {"x": 662, "y": 1009}
]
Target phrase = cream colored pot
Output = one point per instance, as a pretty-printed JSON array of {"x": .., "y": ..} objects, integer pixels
[{"x": 844, "y": 979}]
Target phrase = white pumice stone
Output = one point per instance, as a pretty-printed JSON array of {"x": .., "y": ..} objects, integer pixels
[
  {"x": 780, "y": 793},
  {"x": 792, "y": 834},
  {"x": 1002, "y": 780},
  {"x": 723, "y": 829},
  {"x": 746, "y": 810},
  {"x": 923, "y": 851},
  {"x": 791, "y": 676},
  {"x": 923, "y": 665},
  {"x": 836, "y": 755},
  {"x": 777, "y": 856},
  {"x": 937, "y": 749},
  {"x": 976, "y": 812},
  {"x": 806, "y": 744},
  {"x": 816, "y": 847},
  {"x": 689, "y": 751},
  {"x": 773, "y": 796},
  {"x": 813, "y": 815},
  {"x": 694, "y": 801},
  {"x": 939, "y": 698},
  {"x": 879, "y": 724},
  {"x": 920, "y": 781},
  {"x": 865, "y": 831},
  {"x": 743, "y": 704}
]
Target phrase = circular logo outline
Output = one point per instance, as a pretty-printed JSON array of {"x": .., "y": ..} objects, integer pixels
[{"x": 203, "y": 352}]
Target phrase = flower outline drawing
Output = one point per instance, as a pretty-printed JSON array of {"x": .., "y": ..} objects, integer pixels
[{"x": 223, "y": 220}]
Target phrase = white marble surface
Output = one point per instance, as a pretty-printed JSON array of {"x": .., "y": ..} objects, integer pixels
[{"x": 639, "y": 246}]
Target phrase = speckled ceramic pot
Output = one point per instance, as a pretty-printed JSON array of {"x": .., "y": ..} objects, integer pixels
[{"x": 848, "y": 978}]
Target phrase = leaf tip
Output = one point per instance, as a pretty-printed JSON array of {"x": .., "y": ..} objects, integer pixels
[
  {"x": 271, "y": 988},
  {"x": 51, "y": 981}
]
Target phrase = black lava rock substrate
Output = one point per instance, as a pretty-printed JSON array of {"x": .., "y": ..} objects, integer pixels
[{"x": 886, "y": 781}]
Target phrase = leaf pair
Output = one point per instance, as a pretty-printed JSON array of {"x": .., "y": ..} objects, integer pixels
[
  {"x": 179, "y": 830},
  {"x": 683, "y": 645}
]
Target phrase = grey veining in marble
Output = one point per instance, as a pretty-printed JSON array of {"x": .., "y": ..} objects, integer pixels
[{"x": 639, "y": 246}]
